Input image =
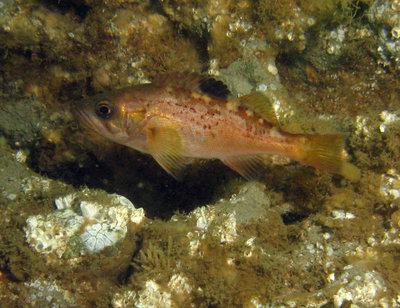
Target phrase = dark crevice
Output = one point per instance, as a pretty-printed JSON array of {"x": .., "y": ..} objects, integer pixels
[
  {"x": 124, "y": 277},
  {"x": 78, "y": 7},
  {"x": 201, "y": 42},
  {"x": 291, "y": 218},
  {"x": 287, "y": 59},
  {"x": 358, "y": 9},
  {"x": 137, "y": 177},
  {"x": 214, "y": 87}
]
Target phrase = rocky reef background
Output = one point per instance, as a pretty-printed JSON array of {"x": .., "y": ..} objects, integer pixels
[{"x": 87, "y": 223}]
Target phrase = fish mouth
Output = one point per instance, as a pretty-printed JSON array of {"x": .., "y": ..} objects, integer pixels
[
  {"x": 107, "y": 129},
  {"x": 86, "y": 119}
]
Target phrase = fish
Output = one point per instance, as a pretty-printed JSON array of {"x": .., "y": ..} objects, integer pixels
[{"x": 185, "y": 116}]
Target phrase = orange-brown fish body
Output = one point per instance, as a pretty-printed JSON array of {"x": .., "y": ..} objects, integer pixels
[{"x": 181, "y": 117}]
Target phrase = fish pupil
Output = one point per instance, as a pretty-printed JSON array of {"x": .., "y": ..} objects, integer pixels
[{"x": 104, "y": 110}]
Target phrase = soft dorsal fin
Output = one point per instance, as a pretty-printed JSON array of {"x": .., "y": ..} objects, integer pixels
[
  {"x": 261, "y": 105},
  {"x": 195, "y": 81}
]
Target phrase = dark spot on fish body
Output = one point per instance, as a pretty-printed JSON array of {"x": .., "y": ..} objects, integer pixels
[{"x": 210, "y": 112}]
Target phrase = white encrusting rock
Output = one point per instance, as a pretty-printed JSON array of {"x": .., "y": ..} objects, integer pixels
[{"x": 90, "y": 225}]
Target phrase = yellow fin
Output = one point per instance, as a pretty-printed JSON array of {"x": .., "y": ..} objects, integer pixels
[
  {"x": 246, "y": 166},
  {"x": 350, "y": 172},
  {"x": 326, "y": 152},
  {"x": 261, "y": 105},
  {"x": 165, "y": 146}
]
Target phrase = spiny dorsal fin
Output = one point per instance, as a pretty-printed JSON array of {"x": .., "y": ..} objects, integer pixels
[
  {"x": 261, "y": 105},
  {"x": 165, "y": 146},
  {"x": 195, "y": 81},
  {"x": 246, "y": 166}
]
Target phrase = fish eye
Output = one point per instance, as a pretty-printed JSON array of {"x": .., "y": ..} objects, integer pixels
[{"x": 104, "y": 110}]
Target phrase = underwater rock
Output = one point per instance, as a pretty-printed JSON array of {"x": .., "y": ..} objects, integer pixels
[
  {"x": 388, "y": 119},
  {"x": 384, "y": 16},
  {"x": 19, "y": 122},
  {"x": 46, "y": 293},
  {"x": 142, "y": 40},
  {"x": 249, "y": 74},
  {"x": 154, "y": 295},
  {"x": 30, "y": 25},
  {"x": 79, "y": 226},
  {"x": 291, "y": 30},
  {"x": 392, "y": 234},
  {"x": 234, "y": 36},
  {"x": 361, "y": 287},
  {"x": 390, "y": 184},
  {"x": 223, "y": 219},
  {"x": 200, "y": 17},
  {"x": 331, "y": 46},
  {"x": 19, "y": 182},
  {"x": 51, "y": 234}
]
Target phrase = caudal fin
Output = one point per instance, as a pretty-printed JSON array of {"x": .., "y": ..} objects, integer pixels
[{"x": 326, "y": 152}]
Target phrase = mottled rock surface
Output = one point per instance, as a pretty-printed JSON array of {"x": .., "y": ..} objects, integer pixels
[{"x": 86, "y": 223}]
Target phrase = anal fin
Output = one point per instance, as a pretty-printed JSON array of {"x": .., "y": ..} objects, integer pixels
[{"x": 247, "y": 166}]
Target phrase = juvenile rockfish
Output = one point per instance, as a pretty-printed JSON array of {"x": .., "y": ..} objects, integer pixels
[{"x": 184, "y": 116}]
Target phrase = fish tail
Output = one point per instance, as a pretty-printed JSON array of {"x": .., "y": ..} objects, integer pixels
[{"x": 327, "y": 152}]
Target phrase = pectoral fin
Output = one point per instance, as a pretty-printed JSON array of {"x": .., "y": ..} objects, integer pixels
[
  {"x": 165, "y": 145},
  {"x": 246, "y": 166},
  {"x": 174, "y": 164}
]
